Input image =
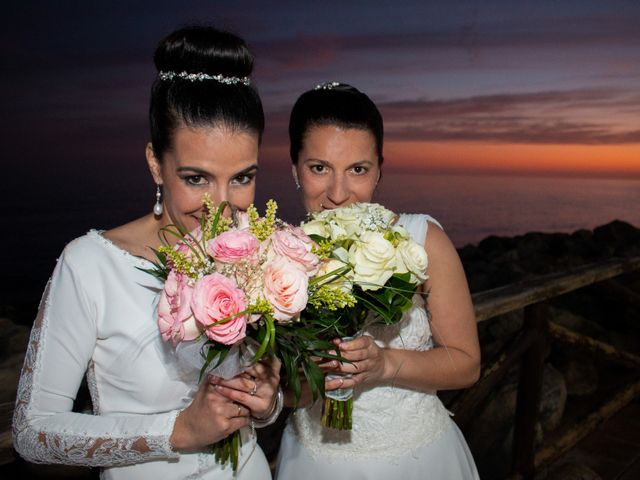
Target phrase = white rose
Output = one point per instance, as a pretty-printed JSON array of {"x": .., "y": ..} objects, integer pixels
[
  {"x": 316, "y": 227},
  {"x": 412, "y": 258},
  {"x": 374, "y": 260},
  {"x": 348, "y": 219},
  {"x": 401, "y": 231},
  {"x": 336, "y": 231},
  {"x": 341, "y": 282}
]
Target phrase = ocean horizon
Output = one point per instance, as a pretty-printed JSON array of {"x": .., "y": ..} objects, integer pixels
[{"x": 469, "y": 206}]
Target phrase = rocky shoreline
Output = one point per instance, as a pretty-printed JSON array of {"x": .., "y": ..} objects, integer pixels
[
  {"x": 574, "y": 381},
  {"x": 569, "y": 376}
]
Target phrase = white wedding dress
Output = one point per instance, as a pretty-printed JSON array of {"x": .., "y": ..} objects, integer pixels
[
  {"x": 98, "y": 316},
  {"x": 397, "y": 433}
]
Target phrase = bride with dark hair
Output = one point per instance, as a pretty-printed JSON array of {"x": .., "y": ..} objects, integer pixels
[
  {"x": 400, "y": 428},
  {"x": 98, "y": 312}
]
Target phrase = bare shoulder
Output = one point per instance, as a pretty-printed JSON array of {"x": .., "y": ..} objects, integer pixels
[{"x": 438, "y": 242}]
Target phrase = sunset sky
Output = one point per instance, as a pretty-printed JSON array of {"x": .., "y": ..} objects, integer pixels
[
  {"x": 540, "y": 86},
  {"x": 495, "y": 87}
]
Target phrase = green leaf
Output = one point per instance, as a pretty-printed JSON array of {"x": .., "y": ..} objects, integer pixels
[
  {"x": 214, "y": 350},
  {"x": 315, "y": 377},
  {"x": 265, "y": 340}
]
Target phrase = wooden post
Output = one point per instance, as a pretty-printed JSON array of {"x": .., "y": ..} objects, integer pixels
[{"x": 529, "y": 390}]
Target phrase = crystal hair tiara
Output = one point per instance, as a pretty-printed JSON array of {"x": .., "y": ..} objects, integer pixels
[
  {"x": 199, "y": 77},
  {"x": 327, "y": 85}
]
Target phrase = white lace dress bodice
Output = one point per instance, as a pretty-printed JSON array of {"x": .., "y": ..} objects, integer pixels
[
  {"x": 390, "y": 424},
  {"x": 98, "y": 316}
]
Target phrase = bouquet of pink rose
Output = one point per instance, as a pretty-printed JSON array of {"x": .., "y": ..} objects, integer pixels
[
  {"x": 373, "y": 267},
  {"x": 233, "y": 289}
]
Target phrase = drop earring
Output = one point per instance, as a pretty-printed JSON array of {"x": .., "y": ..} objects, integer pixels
[
  {"x": 295, "y": 179},
  {"x": 157, "y": 208}
]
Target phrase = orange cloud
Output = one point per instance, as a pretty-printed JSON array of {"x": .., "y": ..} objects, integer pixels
[{"x": 618, "y": 160}]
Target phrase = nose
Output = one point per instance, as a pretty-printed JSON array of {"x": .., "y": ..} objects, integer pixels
[
  {"x": 219, "y": 194},
  {"x": 338, "y": 192}
]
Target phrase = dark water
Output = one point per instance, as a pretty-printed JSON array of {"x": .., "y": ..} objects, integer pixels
[
  {"x": 41, "y": 214},
  {"x": 471, "y": 207}
]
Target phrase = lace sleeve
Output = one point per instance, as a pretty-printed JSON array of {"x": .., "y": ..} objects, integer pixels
[{"x": 45, "y": 430}]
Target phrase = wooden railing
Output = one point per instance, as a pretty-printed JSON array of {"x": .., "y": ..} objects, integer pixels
[{"x": 530, "y": 348}]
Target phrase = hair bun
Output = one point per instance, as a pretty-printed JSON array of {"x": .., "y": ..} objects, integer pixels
[{"x": 204, "y": 49}]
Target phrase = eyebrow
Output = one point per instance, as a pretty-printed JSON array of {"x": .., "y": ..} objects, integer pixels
[
  {"x": 250, "y": 169},
  {"x": 324, "y": 162}
]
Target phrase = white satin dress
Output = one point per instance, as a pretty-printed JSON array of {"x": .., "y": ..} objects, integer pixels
[
  {"x": 397, "y": 433},
  {"x": 98, "y": 316}
]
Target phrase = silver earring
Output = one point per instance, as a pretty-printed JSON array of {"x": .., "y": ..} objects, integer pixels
[
  {"x": 295, "y": 179},
  {"x": 157, "y": 208}
]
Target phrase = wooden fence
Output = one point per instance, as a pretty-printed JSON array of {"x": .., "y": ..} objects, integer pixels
[{"x": 530, "y": 348}]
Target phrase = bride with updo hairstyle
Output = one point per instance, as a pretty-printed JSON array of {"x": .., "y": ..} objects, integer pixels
[
  {"x": 401, "y": 429},
  {"x": 98, "y": 313}
]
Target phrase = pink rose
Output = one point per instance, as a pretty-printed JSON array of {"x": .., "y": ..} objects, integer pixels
[
  {"x": 233, "y": 246},
  {"x": 295, "y": 245},
  {"x": 215, "y": 298},
  {"x": 285, "y": 287},
  {"x": 187, "y": 245},
  {"x": 175, "y": 318}
]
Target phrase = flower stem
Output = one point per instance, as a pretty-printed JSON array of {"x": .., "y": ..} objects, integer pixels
[{"x": 337, "y": 414}]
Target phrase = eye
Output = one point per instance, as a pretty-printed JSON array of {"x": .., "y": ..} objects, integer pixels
[
  {"x": 243, "y": 179},
  {"x": 195, "y": 180},
  {"x": 318, "y": 168},
  {"x": 359, "y": 170}
]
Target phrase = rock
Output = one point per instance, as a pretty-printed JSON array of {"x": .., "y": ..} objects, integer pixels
[
  {"x": 553, "y": 398},
  {"x": 618, "y": 237},
  {"x": 491, "y": 435},
  {"x": 579, "y": 324},
  {"x": 506, "y": 324},
  {"x": 9, "y": 377},
  {"x": 13, "y": 344},
  {"x": 580, "y": 373},
  {"x": 496, "y": 244},
  {"x": 494, "y": 420},
  {"x": 581, "y": 244},
  {"x": 13, "y": 338},
  {"x": 571, "y": 471}
]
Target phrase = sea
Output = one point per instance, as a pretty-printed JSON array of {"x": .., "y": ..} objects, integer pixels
[{"x": 41, "y": 215}]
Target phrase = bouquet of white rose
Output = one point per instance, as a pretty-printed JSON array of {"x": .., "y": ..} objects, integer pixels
[{"x": 373, "y": 267}]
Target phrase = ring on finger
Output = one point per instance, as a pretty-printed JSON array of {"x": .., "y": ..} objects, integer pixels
[
  {"x": 239, "y": 411},
  {"x": 254, "y": 389}
]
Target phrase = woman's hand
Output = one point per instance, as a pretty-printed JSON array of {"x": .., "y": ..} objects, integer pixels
[
  {"x": 256, "y": 388},
  {"x": 209, "y": 418},
  {"x": 368, "y": 363}
]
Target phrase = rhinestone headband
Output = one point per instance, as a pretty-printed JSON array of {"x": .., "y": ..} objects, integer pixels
[
  {"x": 327, "y": 85},
  {"x": 199, "y": 77}
]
